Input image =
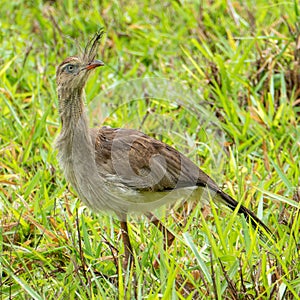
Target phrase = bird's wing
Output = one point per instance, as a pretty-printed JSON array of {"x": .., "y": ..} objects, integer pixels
[{"x": 142, "y": 163}]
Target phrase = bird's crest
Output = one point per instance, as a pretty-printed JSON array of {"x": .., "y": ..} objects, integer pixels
[{"x": 91, "y": 48}]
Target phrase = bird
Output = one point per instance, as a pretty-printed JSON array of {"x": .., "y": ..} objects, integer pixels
[{"x": 123, "y": 170}]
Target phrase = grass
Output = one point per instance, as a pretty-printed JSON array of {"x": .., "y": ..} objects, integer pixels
[{"x": 221, "y": 71}]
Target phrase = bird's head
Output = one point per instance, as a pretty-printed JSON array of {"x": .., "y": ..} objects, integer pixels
[{"x": 73, "y": 72}]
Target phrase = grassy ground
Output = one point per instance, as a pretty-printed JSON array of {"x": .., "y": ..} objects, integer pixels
[{"x": 240, "y": 62}]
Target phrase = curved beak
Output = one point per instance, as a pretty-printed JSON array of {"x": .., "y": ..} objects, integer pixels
[{"x": 94, "y": 64}]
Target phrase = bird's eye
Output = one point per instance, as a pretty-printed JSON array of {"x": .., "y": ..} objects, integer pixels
[{"x": 70, "y": 68}]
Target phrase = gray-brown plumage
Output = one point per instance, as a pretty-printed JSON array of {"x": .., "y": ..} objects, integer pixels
[{"x": 122, "y": 170}]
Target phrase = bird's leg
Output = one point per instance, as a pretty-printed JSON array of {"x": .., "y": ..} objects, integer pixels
[
  {"x": 168, "y": 235},
  {"x": 126, "y": 241}
]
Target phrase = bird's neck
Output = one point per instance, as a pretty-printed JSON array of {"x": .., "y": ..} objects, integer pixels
[
  {"x": 76, "y": 152},
  {"x": 75, "y": 130},
  {"x": 71, "y": 107}
]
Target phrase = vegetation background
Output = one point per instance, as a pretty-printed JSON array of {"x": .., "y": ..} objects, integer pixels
[{"x": 242, "y": 58}]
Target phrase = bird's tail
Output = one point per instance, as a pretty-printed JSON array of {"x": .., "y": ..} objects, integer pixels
[{"x": 249, "y": 215}]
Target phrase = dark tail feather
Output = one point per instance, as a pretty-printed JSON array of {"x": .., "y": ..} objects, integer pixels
[{"x": 249, "y": 215}]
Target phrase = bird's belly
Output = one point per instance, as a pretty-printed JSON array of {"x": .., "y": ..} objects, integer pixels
[{"x": 136, "y": 201}]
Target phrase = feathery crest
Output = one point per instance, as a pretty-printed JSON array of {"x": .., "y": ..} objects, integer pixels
[{"x": 91, "y": 48}]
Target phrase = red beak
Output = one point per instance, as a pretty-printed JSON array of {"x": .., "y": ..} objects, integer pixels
[{"x": 94, "y": 64}]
